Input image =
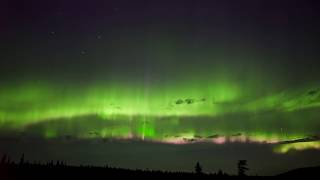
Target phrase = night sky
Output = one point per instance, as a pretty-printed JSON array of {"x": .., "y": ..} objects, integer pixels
[{"x": 162, "y": 84}]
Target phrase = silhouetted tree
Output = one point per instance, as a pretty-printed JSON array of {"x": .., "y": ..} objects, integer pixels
[
  {"x": 242, "y": 167},
  {"x": 3, "y": 159},
  {"x": 198, "y": 168},
  {"x": 21, "y": 160},
  {"x": 9, "y": 161}
]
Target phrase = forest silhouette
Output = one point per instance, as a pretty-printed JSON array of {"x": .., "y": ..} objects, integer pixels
[{"x": 60, "y": 169}]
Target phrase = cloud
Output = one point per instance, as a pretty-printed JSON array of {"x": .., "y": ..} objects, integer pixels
[
  {"x": 313, "y": 92},
  {"x": 213, "y": 136},
  {"x": 189, "y": 101},
  {"x": 307, "y": 139},
  {"x": 179, "y": 101}
]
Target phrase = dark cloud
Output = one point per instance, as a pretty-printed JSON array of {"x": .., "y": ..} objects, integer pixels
[
  {"x": 313, "y": 92},
  {"x": 213, "y": 136},
  {"x": 198, "y": 136},
  {"x": 307, "y": 139},
  {"x": 190, "y": 139},
  {"x": 237, "y": 134},
  {"x": 179, "y": 101},
  {"x": 189, "y": 101}
]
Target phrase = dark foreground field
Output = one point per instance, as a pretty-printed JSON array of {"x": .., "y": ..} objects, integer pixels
[
  {"x": 59, "y": 170},
  {"x": 34, "y": 171}
]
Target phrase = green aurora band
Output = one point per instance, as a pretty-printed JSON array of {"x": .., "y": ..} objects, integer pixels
[{"x": 219, "y": 112}]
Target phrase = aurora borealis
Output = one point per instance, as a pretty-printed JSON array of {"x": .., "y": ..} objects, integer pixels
[
  {"x": 171, "y": 74},
  {"x": 218, "y": 115}
]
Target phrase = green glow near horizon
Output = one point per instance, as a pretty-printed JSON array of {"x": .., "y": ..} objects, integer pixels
[
  {"x": 285, "y": 148},
  {"x": 172, "y": 114}
]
